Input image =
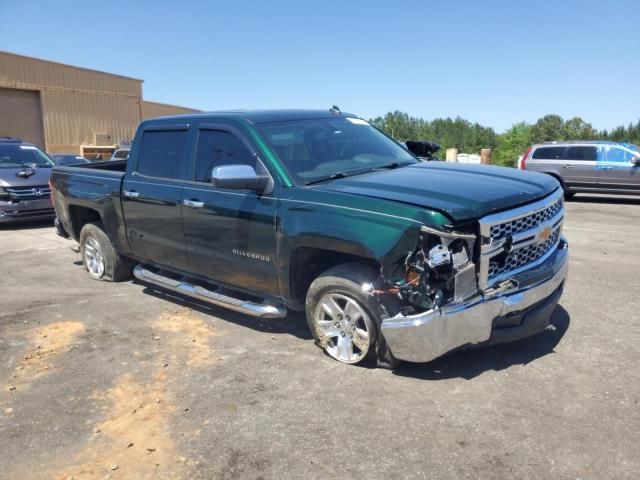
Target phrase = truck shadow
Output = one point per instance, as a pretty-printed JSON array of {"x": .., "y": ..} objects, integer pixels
[
  {"x": 470, "y": 363},
  {"x": 293, "y": 324}
]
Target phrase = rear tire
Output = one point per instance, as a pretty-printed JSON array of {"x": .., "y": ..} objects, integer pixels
[
  {"x": 99, "y": 257},
  {"x": 344, "y": 320}
]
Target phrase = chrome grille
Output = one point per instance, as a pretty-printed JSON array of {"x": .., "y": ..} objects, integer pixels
[
  {"x": 523, "y": 256},
  {"x": 527, "y": 222},
  {"x": 34, "y": 192},
  {"x": 518, "y": 238}
]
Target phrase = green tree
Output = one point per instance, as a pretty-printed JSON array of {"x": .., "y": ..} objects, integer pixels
[
  {"x": 449, "y": 133},
  {"x": 512, "y": 144},
  {"x": 578, "y": 129},
  {"x": 548, "y": 128}
]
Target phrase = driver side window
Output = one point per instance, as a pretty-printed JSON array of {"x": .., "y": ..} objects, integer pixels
[{"x": 217, "y": 148}]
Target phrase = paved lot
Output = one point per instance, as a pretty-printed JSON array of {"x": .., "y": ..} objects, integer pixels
[{"x": 117, "y": 380}]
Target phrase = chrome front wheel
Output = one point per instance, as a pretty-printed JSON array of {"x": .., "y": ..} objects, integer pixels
[{"x": 343, "y": 328}]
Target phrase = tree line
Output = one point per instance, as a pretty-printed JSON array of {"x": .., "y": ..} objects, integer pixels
[{"x": 470, "y": 137}]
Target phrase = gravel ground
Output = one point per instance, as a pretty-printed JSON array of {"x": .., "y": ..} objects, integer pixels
[{"x": 120, "y": 381}]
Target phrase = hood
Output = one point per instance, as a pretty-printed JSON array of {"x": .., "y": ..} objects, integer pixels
[
  {"x": 9, "y": 177},
  {"x": 463, "y": 192}
]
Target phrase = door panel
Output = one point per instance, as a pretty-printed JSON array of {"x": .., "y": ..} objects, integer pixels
[
  {"x": 230, "y": 234},
  {"x": 232, "y": 238},
  {"x": 579, "y": 166},
  {"x": 152, "y": 197},
  {"x": 616, "y": 171},
  {"x": 153, "y": 216}
]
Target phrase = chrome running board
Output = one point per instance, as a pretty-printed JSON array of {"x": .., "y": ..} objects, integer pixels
[{"x": 261, "y": 310}]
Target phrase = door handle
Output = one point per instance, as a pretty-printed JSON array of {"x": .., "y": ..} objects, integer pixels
[
  {"x": 568, "y": 166},
  {"x": 131, "y": 194},
  {"x": 193, "y": 203},
  {"x": 607, "y": 168}
]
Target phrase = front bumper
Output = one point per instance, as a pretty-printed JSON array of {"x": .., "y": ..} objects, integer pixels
[
  {"x": 428, "y": 335},
  {"x": 26, "y": 210}
]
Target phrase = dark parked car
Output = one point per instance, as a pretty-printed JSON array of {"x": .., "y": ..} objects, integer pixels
[
  {"x": 68, "y": 159},
  {"x": 24, "y": 181},
  {"x": 260, "y": 212}
]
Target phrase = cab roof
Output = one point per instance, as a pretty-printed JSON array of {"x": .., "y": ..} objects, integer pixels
[
  {"x": 261, "y": 116},
  {"x": 13, "y": 140}
]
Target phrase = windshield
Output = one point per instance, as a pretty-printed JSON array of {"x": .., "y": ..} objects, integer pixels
[
  {"x": 20, "y": 156},
  {"x": 313, "y": 150}
]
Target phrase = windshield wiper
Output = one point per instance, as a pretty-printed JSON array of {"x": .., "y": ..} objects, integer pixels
[
  {"x": 359, "y": 172},
  {"x": 393, "y": 165},
  {"x": 348, "y": 173},
  {"x": 330, "y": 177}
]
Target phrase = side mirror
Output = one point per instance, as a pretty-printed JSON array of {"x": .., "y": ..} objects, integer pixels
[
  {"x": 239, "y": 177},
  {"x": 636, "y": 160}
]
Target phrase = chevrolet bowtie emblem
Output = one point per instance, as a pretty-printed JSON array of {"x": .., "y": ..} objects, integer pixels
[{"x": 545, "y": 234}]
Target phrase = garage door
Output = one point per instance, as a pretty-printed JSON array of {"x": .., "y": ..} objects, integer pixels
[{"x": 20, "y": 115}]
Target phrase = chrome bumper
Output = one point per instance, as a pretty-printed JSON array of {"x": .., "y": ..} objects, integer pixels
[{"x": 428, "y": 335}]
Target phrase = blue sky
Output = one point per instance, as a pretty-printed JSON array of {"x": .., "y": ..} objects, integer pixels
[{"x": 488, "y": 61}]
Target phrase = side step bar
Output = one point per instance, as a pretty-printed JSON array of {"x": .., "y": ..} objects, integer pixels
[{"x": 261, "y": 310}]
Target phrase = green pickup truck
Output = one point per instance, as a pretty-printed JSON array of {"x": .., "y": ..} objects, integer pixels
[{"x": 263, "y": 212}]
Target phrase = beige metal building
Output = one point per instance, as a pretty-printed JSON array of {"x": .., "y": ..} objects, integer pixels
[{"x": 70, "y": 109}]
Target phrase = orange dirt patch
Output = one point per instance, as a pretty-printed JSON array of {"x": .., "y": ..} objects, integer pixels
[
  {"x": 187, "y": 333},
  {"x": 47, "y": 343},
  {"x": 133, "y": 440}
]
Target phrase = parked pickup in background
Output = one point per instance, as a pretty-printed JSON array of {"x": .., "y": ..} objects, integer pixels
[{"x": 264, "y": 211}]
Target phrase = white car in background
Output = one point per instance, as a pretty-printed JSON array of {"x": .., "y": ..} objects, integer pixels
[{"x": 121, "y": 154}]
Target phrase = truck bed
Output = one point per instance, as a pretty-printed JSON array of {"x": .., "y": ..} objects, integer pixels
[
  {"x": 110, "y": 165},
  {"x": 91, "y": 191}
]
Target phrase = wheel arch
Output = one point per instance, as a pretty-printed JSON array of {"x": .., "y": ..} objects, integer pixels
[
  {"x": 307, "y": 263},
  {"x": 79, "y": 216}
]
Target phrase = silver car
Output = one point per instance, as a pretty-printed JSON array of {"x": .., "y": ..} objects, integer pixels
[
  {"x": 593, "y": 167},
  {"x": 24, "y": 182}
]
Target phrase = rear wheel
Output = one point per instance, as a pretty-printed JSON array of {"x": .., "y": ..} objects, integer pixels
[
  {"x": 344, "y": 320},
  {"x": 99, "y": 257}
]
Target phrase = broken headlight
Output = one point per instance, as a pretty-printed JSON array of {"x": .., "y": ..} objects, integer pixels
[{"x": 439, "y": 270}]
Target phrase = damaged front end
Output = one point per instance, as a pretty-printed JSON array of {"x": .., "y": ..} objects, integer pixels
[
  {"x": 438, "y": 271},
  {"x": 435, "y": 303}
]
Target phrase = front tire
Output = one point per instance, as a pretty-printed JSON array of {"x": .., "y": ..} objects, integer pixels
[
  {"x": 344, "y": 320},
  {"x": 99, "y": 257}
]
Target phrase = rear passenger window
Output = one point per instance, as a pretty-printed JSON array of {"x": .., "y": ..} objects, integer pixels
[
  {"x": 217, "y": 148},
  {"x": 581, "y": 153},
  {"x": 548, "y": 153},
  {"x": 161, "y": 153}
]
